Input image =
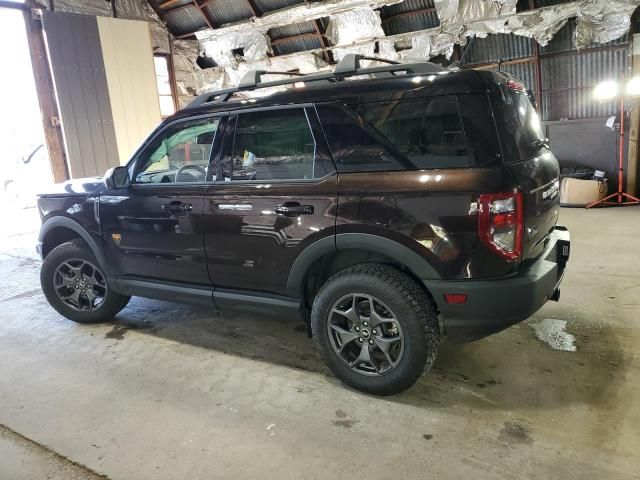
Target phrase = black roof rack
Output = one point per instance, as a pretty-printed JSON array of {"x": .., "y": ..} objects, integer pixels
[{"x": 347, "y": 67}]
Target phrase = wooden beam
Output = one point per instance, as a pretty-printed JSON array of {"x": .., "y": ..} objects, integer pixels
[
  {"x": 327, "y": 54},
  {"x": 203, "y": 13},
  {"x": 167, "y": 4},
  {"x": 633, "y": 157},
  {"x": 46, "y": 96},
  {"x": 253, "y": 7}
]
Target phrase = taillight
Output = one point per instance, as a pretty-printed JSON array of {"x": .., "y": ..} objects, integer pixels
[
  {"x": 501, "y": 223},
  {"x": 516, "y": 86}
]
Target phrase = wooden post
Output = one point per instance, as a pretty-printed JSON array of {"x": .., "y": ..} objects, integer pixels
[
  {"x": 634, "y": 125},
  {"x": 46, "y": 94}
]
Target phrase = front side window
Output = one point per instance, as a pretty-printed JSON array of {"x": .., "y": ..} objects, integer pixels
[
  {"x": 180, "y": 154},
  {"x": 272, "y": 145}
]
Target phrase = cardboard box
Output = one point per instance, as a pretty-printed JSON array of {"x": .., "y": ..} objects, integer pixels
[{"x": 576, "y": 192}]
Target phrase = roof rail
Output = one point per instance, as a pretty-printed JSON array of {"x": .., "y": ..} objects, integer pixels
[
  {"x": 350, "y": 63},
  {"x": 347, "y": 67},
  {"x": 252, "y": 78}
]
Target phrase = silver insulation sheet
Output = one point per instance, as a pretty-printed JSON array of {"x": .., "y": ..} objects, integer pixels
[{"x": 353, "y": 26}]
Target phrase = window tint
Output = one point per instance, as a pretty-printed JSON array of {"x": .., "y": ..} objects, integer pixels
[
  {"x": 398, "y": 134},
  {"x": 180, "y": 154},
  {"x": 356, "y": 146},
  {"x": 479, "y": 127},
  {"x": 272, "y": 145},
  {"x": 522, "y": 136}
]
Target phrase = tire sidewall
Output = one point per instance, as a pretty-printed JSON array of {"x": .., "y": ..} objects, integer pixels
[
  {"x": 112, "y": 303},
  {"x": 414, "y": 355}
]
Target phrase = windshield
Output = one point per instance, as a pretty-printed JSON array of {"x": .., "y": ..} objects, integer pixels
[{"x": 523, "y": 136}]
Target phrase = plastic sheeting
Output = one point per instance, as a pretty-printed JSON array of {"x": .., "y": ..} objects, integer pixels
[
  {"x": 358, "y": 24},
  {"x": 459, "y": 12},
  {"x": 87, "y": 7},
  {"x": 354, "y": 27},
  {"x": 603, "y": 21},
  {"x": 134, "y": 10}
]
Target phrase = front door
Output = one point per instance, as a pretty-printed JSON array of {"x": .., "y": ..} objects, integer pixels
[
  {"x": 275, "y": 193},
  {"x": 154, "y": 228}
]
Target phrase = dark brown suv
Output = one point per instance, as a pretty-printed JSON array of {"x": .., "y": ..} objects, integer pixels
[{"x": 384, "y": 206}]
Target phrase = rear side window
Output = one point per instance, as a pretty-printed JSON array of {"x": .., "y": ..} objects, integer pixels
[
  {"x": 521, "y": 134},
  {"x": 272, "y": 145},
  {"x": 422, "y": 133}
]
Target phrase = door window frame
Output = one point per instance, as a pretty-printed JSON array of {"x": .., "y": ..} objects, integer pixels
[
  {"x": 322, "y": 153},
  {"x": 216, "y": 148}
]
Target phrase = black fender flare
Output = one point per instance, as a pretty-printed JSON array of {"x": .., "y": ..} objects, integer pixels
[
  {"x": 65, "y": 222},
  {"x": 415, "y": 262}
]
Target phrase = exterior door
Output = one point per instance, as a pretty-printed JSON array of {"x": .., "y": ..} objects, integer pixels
[
  {"x": 275, "y": 193},
  {"x": 154, "y": 228}
]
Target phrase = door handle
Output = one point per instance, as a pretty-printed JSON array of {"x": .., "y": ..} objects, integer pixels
[
  {"x": 177, "y": 207},
  {"x": 293, "y": 209}
]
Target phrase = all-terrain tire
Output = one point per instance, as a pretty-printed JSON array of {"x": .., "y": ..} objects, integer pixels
[
  {"x": 75, "y": 250},
  {"x": 410, "y": 305}
]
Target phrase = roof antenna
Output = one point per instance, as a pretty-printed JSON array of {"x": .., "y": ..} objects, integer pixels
[{"x": 458, "y": 63}]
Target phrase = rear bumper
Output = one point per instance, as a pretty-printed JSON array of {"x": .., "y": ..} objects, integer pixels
[{"x": 495, "y": 304}]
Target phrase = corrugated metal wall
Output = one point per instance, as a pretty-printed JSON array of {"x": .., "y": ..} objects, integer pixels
[
  {"x": 82, "y": 91},
  {"x": 567, "y": 75}
]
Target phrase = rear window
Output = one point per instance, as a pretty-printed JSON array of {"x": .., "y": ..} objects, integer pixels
[
  {"x": 423, "y": 133},
  {"x": 521, "y": 133}
]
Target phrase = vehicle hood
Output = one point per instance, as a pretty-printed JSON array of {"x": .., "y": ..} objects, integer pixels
[{"x": 78, "y": 187}]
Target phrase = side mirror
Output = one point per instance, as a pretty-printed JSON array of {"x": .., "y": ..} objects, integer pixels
[{"x": 116, "y": 178}]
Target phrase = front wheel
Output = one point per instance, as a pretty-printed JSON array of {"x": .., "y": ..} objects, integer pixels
[
  {"x": 76, "y": 287},
  {"x": 376, "y": 328}
]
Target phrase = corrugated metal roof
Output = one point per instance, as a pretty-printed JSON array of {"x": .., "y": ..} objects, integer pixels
[
  {"x": 291, "y": 30},
  {"x": 297, "y": 45},
  {"x": 227, "y": 11},
  {"x": 287, "y": 39},
  {"x": 409, "y": 16},
  {"x": 404, "y": 7},
  {"x": 179, "y": 3},
  {"x": 185, "y": 20},
  {"x": 500, "y": 46},
  {"x": 271, "y": 5},
  {"x": 568, "y": 81}
]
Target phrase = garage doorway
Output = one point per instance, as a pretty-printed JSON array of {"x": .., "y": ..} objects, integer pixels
[{"x": 25, "y": 169}]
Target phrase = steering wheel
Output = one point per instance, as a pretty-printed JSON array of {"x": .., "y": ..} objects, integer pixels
[{"x": 190, "y": 176}]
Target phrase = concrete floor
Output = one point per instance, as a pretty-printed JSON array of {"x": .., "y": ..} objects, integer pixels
[{"x": 174, "y": 392}]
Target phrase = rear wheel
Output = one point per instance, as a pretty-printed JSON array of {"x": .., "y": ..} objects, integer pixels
[
  {"x": 76, "y": 287},
  {"x": 376, "y": 329}
]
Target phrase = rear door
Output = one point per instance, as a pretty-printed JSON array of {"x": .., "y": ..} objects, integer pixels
[
  {"x": 154, "y": 228},
  {"x": 274, "y": 194}
]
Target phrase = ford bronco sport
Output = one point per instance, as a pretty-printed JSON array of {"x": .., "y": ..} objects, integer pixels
[{"x": 384, "y": 205}]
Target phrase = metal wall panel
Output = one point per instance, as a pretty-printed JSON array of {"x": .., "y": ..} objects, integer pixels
[
  {"x": 568, "y": 80},
  {"x": 131, "y": 77},
  {"x": 496, "y": 47},
  {"x": 82, "y": 92},
  {"x": 524, "y": 71}
]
